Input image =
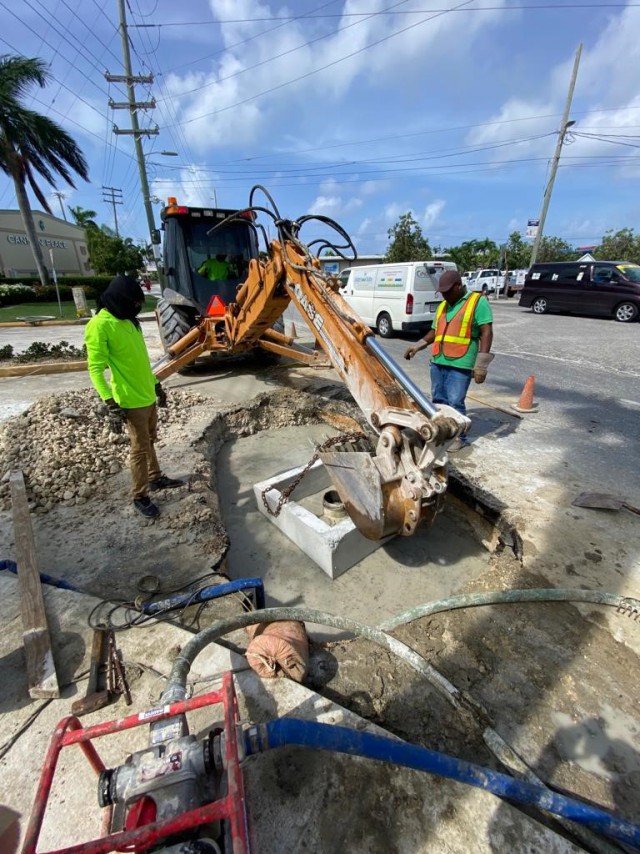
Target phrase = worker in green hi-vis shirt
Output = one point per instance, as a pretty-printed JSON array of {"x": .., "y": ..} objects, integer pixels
[
  {"x": 461, "y": 339},
  {"x": 114, "y": 340}
]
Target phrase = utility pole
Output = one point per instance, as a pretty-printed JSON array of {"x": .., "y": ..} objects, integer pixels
[
  {"x": 565, "y": 124},
  {"x": 133, "y": 106},
  {"x": 60, "y": 196},
  {"x": 113, "y": 196}
]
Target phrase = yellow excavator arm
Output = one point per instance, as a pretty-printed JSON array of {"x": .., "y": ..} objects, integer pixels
[{"x": 391, "y": 489}]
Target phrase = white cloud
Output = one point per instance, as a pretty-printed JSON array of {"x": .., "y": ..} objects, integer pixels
[
  {"x": 393, "y": 210},
  {"x": 189, "y": 185},
  {"x": 432, "y": 212},
  {"x": 321, "y": 65},
  {"x": 603, "y": 79}
]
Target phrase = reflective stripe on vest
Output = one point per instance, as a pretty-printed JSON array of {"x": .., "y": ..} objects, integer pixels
[{"x": 453, "y": 337}]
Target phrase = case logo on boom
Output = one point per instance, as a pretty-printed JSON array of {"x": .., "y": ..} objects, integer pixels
[{"x": 312, "y": 314}]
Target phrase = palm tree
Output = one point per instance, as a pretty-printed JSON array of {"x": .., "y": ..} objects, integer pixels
[
  {"x": 83, "y": 217},
  {"x": 31, "y": 143}
]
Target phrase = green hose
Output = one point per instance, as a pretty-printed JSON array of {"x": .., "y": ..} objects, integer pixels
[
  {"x": 511, "y": 597},
  {"x": 468, "y": 708}
]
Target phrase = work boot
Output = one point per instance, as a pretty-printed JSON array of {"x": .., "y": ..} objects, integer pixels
[
  {"x": 146, "y": 507},
  {"x": 164, "y": 482}
]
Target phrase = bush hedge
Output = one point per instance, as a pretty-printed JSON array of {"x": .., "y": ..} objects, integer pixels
[{"x": 14, "y": 292}]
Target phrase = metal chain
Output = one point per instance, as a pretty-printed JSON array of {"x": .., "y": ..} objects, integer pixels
[{"x": 354, "y": 436}]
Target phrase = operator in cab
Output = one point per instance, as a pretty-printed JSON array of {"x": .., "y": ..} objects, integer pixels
[
  {"x": 215, "y": 269},
  {"x": 461, "y": 339}
]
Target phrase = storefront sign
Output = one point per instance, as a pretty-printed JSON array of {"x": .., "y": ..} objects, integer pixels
[{"x": 23, "y": 240}]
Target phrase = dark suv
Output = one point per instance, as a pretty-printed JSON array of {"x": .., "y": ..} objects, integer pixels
[{"x": 609, "y": 288}]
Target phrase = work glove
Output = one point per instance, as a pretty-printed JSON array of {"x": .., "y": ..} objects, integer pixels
[
  {"x": 483, "y": 360},
  {"x": 116, "y": 416},
  {"x": 161, "y": 396}
]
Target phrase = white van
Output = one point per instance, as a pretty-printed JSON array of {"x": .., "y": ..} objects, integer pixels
[{"x": 395, "y": 297}]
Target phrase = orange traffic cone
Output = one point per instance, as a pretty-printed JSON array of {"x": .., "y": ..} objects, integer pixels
[{"x": 526, "y": 404}]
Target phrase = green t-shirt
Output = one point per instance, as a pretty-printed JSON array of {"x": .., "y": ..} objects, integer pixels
[
  {"x": 482, "y": 315},
  {"x": 214, "y": 270},
  {"x": 119, "y": 346}
]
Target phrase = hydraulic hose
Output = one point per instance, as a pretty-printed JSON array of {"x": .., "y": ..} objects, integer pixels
[
  {"x": 213, "y": 591},
  {"x": 44, "y": 578},
  {"x": 318, "y": 736},
  {"x": 510, "y": 597}
]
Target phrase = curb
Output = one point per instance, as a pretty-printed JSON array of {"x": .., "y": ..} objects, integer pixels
[
  {"x": 20, "y": 324},
  {"x": 44, "y": 368}
]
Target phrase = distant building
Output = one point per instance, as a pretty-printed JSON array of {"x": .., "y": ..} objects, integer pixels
[
  {"x": 63, "y": 241},
  {"x": 587, "y": 258},
  {"x": 335, "y": 264}
]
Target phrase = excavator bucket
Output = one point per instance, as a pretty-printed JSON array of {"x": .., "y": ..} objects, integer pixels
[{"x": 375, "y": 507}]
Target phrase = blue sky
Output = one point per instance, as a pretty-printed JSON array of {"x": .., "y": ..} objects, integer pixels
[{"x": 449, "y": 110}]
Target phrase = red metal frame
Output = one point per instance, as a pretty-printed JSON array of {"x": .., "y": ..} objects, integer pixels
[{"x": 232, "y": 807}]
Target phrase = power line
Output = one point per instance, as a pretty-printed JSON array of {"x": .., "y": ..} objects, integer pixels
[
  {"x": 510, "y": 8},
  {"x": 280, "y": 55},
  {"x": 324, "y": 67}
]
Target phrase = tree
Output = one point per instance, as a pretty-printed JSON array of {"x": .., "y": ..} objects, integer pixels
[
  {"x": 407, "y": 242},
  {"x": 31, "y": 143},
  {"x": 113, "y": 255},
  {"x": 475, "y": 253},
  {"x": 623, "y": 245},
  {"x": 555, "y": 249},
  {"x": 518, "y": 252},
  {"x": 83, "y": 217}
]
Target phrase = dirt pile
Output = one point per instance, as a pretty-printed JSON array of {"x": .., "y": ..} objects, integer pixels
[{"x": 64, "y": 446}]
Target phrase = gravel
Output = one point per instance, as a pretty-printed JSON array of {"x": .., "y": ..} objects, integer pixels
[{"x": 66, "y": 450}]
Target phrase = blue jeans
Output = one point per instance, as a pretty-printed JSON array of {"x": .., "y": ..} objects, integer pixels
[{"x": 450, "y": 385}]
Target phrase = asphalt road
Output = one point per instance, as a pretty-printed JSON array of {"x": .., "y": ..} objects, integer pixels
[{"x": 587, "y": 384}]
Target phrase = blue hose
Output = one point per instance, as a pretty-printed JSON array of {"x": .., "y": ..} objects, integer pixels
[
  {"x": 291, "y": 731},
  {"x": 44, "y": 578},
  {"x": 214, "y": 591}
]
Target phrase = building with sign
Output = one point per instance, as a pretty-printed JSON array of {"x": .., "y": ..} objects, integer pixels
[{"x": 64, "y": 246}]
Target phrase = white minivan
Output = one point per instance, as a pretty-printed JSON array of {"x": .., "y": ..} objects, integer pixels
[{"x": 395, "y": 297}]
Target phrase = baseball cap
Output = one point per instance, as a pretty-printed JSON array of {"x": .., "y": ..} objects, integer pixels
[{"x": 449, "y": 279}]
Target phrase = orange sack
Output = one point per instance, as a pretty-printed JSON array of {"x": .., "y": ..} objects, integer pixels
[{"x": 279, "y": 649}]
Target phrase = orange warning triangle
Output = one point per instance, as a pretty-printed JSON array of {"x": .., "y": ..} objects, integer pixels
[{"x": 216, "y": 307}]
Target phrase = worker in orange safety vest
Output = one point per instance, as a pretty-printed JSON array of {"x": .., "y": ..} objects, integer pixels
[{"x": 460, "y": 339}]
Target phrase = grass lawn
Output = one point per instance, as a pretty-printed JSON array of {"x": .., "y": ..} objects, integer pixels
[{"x": 10, "y": 313}]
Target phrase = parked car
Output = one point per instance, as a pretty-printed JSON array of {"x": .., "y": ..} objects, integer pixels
[{"x": 609, "y": 288}]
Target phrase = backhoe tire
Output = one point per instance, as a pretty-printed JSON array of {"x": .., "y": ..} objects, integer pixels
[{"x": 173, "y": 322}]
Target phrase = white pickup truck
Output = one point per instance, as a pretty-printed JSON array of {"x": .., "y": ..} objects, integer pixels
[{"x": 485, "y": 281}]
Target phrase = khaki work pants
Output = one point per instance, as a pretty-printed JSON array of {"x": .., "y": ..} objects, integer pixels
[{"x": 143, "y": 432}]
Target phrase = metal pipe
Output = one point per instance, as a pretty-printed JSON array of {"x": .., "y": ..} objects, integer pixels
[{"x": 407, "y": 384}]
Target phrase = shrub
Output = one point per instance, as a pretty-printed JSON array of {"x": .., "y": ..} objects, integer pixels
[
  {"x": 6, "y": 352},
  {"x": 15, "y": 294}
]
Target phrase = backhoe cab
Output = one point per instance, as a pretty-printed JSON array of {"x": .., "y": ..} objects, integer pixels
[{"x": 200, "y": 264}]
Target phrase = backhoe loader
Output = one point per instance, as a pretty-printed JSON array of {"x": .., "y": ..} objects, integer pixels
[{"x": 400, "y": 481}]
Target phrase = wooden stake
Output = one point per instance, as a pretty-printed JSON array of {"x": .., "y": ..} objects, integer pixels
[{"x": 41, "y": 671}]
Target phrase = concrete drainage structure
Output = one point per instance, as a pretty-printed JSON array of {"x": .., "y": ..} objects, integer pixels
[{"x": 335, "y": 545}]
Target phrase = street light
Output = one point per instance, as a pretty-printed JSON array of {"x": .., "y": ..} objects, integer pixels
[{"x": 148, "y": 199}]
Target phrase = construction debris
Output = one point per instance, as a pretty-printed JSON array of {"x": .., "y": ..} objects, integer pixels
[{"x": 66, "y": 449}]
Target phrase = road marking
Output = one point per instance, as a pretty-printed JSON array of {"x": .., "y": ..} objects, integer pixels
[
  {"x": 523, "y": 354},
  {"x": 630, "y": 402}
]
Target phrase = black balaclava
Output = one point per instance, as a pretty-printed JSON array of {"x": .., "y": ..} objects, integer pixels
[{"x": 123, "y": 299}]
